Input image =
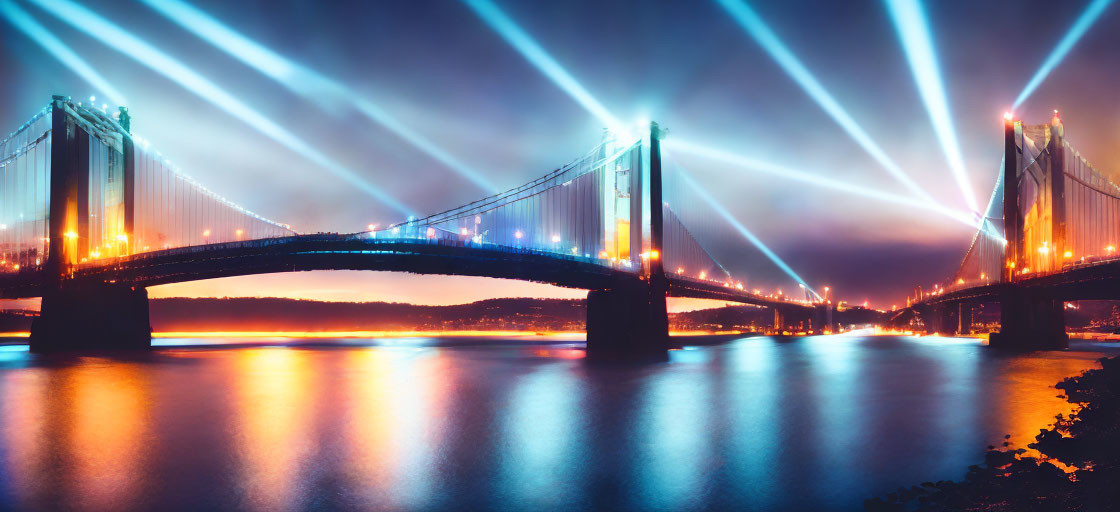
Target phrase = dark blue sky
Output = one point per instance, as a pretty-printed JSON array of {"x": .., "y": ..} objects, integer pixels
[{"x": 436, "y": 66}]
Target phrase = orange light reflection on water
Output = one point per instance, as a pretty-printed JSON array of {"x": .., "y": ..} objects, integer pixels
[
  {"x": 560, "y": 353},
  {"x": 274, "y": 436},
  {"x": 348, "y": 334},
  {"x": 1029, "y": 401},
  {"x": 24, "y": 424},
  {"x": 396, "y": 409},
  {"x": 105, "y": 438}
]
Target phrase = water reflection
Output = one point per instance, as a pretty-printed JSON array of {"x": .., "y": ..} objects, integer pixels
[
  {"x": 24, "y": 422},
  {"x": 1024, "y": 399},
  {"x": 750, "y": 388},
  {"x": 393, "y": 412},
  {"x": 543, "y": 443},
  {"x": 836, "y": 367},
  {"x": 755, "y": 424},
  {"x": 106, "y": 435},
  {"x": 674, "y": 429},
  {"x": 274, "y": 396},
  {"x": 75, "y": 436}
]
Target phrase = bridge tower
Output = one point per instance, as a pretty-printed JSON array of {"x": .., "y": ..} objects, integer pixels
[
  {"x": 1032, "y": 319},
  {"x": 1012, "y": 223},
  {"x": 74, "y": 315},
  {"x": 630, "y": 321}
]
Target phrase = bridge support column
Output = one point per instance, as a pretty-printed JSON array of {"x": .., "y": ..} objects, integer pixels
[
  {"x": 779, "y": 321},
  {"x": 95, "y": 317},
  {"x": 964, "y": 318},
  {"x": 947, "y": 319},
  {"x": 1030, "y": 322},
  {"x": 938, "y": 319},
  {"x": 628, "y": 322},
  {"x": 822, "y": 319}
]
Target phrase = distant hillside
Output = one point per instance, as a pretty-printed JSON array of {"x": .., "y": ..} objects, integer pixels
[
  {"x": 16, "y": 320},
  {"x": 271, "y": 314},
  {"x": 727, "y": 318},
  {"x": 516, "y": 314}
]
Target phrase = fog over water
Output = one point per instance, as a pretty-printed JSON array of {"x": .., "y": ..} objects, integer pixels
[{"x": 755, "y": 424}]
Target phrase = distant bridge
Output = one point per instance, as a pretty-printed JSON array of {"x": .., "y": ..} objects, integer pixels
[
  {"x": 1051, "y": 235},
  {"x": 90, "y": 216}
]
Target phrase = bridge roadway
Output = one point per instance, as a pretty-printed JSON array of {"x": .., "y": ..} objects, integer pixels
[
  {"x": 1084, "y": 281},
  {"x": 360, "y": 251},
  {"x": 1032, "y": 309}
]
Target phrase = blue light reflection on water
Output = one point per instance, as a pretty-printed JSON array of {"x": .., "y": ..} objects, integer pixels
[
  {"x": 542, "y": 438},
  {"x": 13, "y": 354},
  {"x": 835, "y": 366},
  {"x": 674, "y": 435},
  {"x": 750, "y": 385},
  {"x": 753, "y": 424}
]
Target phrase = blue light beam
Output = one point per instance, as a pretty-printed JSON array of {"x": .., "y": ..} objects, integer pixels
[
  {"x": 1086, "y": 20},
  {"x": 307, "y": 83},
  {"x": 749, "y": 20},
  {"x": 701, "y": 150},
  {"x": 778, "y": 261},
  {"x": 110, "y": 34},
  {"x": 545, "y": 63},
  {"x": 23, "y": 21},
  {"x": 912, "y": 25}
]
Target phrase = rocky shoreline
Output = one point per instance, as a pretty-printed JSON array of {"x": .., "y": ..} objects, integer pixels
[{"x": 1074, "y": 463}]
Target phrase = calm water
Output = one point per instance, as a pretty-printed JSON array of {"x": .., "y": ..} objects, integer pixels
[{"x": 756, "y": 423}]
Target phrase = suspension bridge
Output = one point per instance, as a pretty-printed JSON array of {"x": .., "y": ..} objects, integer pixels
[
  {"x": 91, "y": 215},
  {"x": 1050, "y": 235}
]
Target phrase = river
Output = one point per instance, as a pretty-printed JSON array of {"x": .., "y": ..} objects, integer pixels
[{"x": 408, "y": 424}]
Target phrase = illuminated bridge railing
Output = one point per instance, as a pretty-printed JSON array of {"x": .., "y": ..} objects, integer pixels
[
  {"x": 408, "y": 254},
  {"x": 363, "y": 242}
]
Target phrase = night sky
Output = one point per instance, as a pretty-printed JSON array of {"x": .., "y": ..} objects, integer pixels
[{"x": 442, "y": 71}]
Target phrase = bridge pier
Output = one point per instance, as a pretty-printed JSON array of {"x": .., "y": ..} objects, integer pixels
[
  {"x": 628, "y": 322},
  {"x": 94, "y": 317},
  {"x": 964, "y": 318},
  {"x": 938, "y": 318},
  {"x": 947, "y": 319},
  {"x": 822, "y": 320},
  {"x": 779, "y": 321},
  {"x": 1030, "y": 321}
]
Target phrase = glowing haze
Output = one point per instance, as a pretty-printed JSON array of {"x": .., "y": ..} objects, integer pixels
[{"x": 467, "y": 92}]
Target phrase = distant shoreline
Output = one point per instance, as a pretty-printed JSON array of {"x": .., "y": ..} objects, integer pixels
[{"x": 307, "y": 318}]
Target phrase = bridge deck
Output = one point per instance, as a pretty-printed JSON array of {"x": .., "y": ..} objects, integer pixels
[
  {"x": 362, "y": 252},
  {"x": 1089, "y": 281}
]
